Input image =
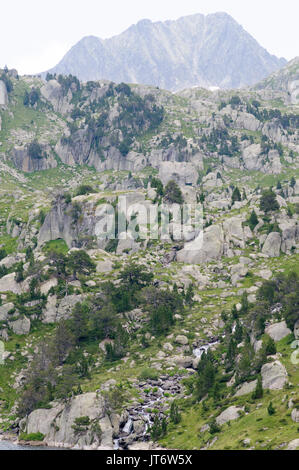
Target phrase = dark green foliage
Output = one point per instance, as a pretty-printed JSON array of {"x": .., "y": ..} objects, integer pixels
[
  {"x": 214, "y": 428},
  {"x": 270, "y": 347},
  {"x": 253, "y": 220},
  {"x": 268, "y": 202},
  {"x": 175, "y": 416},
  {"x": 236, "y": 196},
  {"x": 35, "y": 150},
  {"x": 172, "y": 193},
  {"x": 258, "y": 392},
  {"x": 206, "y": 379},
  {"x": 80, "y": 262},
  {"x": 31, "y": 98},
  {"x": 271, "y": 409},
  {"x": 8, "y": 83},
  {"x": 84, "y": 189},
  {"x": 159, "y": 428},
  {"x": 157, "y": 184},
  {"x": 3, "y": 254}
]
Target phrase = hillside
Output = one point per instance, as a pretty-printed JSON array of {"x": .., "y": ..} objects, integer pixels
[
  {"x": 141, "y": 341},
  {"x": 196, "y": 50}
]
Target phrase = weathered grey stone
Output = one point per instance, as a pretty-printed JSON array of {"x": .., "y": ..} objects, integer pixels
[
  {"x": 272, "y": 245},
  {"x": 278, "y": 331},
  {"x": 4, "y": 309},
  {"x": 230, "y": 414},
  {"x": 21, "y": 326},
  {"x": 181, "y": 339},
  {"x": 246, "y": 388},
  {"x": 274, "y": 375}
]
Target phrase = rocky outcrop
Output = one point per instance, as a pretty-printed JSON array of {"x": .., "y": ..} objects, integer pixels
[
  {"x": 52, "y": 91},
  {"x": 56, "y": 310},
  {"x": 179, "y": 54},
  {"x": 24, "y": 162},
  {"x": 206, "y": 247},
  {"x": 60, "y": 428},
  {"x": 272, "y": 245},
  {"x": 274, "y": 375},
  {"x": 3, "y": 94},
  {"x": 230, "y": 414},
  {"x": 183, "y": 173},
  {"x": 278, "y": 331},
  {"x": 20, "y": 326}
]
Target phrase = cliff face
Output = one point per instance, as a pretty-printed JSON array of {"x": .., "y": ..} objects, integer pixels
[
  {"x": 3, "y": 95},
  {"x": 197, "y": 50}
]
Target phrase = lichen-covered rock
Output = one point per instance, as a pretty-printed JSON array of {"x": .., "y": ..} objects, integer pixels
[
  {"x": 274, "y": 375},
  {"x": 272, "y": 245},
  {"x": 278, "y": 331},
  {"x": 58, "y": 424},
  {"x": 20, "y": 326},
  {"x": 230, "y": 414},
  {"x": 206, "y": 247}
]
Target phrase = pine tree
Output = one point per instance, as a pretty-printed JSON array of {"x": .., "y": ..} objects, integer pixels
[
  {"x": 271, "y": 409},
  {"x": 236, "y": 196},
  {"x": 258, "y": 392}
]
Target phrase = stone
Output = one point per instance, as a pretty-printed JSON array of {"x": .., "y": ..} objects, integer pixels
[
  {"x": 293, "y": 445},
  {"x": 4, "y": 309},
  {"x": 46, "y": 286},
  {"x": 272, "y": 245},
  {"x": 295, "y": 415},
  {"x": 21, "y": 326},
  {"x": 181, "y": 339},
  {"x": 266, "y": 274},
  {"x": 296, "y": 329},
  {"x": 274, "y": 375},
  {"x": 246, "y": 388},
  {"x": 57, "y": 423},
  {"x": 278, "y": 331},
  {"x": 104, "y": 266},
  {"x": 168, "y": 347},
  {"x": 3, "y": 94},
  {"x": 8, "y": 284},
  {"x": 206, "y": 247},
  {"x": 230, "y": 414}
]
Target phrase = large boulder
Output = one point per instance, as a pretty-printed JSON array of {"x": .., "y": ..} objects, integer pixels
[
  {"x": 230, "y": 414},
  {"x": 295, "y": 415},
  {"x": 274, "y": 375},
  {"x": 58, "y": 423},
  {"x": 181, "y": 172},
  {"x": 251, "y": 157},
  {"x": 272, "y": 245},
  {"x": 278, "y": 331},
  {"x": 4, "y": 309},
  {"x": 246, "y": 388},
  {"x": 20, "y": 326},
  {"x": 8, "y": 284},
  {"x": 296, "y": 329},
  {"x": 206, "y": 247},
  {"x": 3, "y": 94}
]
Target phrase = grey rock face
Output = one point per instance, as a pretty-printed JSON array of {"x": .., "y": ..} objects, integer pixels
[
  {"x": 21, "y": 326},
  {"x": 57, "y": 423},
  {"x": 3, "y": 94},
  {"x": 272, "y": 245},
  {"x": 274, "y": 375},
  {"x": 230, "y": 414},
  {"x": 205, "y": 248},
  {"x": 174, "y": 55},
  {"x": 278, "y": 331}
]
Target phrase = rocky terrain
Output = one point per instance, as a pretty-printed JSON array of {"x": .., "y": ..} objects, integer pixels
[
  {"x": 136, "y": 342},
  {"x": 174, "y": 55}
]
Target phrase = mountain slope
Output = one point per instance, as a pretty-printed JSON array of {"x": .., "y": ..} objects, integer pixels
[
  {"x": 284, "y": 81},
  {"x": 196, "y": 50}
]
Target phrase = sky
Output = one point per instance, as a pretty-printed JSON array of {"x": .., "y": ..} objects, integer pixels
[{"x": 35, "y": 34}]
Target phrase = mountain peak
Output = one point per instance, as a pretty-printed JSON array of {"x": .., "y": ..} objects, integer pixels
[{"x": 195, "y": 50}]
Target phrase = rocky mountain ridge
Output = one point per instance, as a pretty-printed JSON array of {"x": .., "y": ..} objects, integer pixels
[{"x": 196, "y": 50}]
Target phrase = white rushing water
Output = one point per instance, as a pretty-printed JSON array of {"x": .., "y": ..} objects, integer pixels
[{"x": 198, "y": 352}]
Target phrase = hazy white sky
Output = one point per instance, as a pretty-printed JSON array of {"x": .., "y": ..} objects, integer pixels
[{"x": 35, "y": 34}]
